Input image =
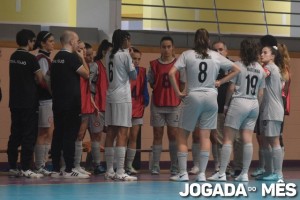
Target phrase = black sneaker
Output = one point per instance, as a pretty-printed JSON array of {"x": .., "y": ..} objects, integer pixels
[
  {"x": 99, "y": 170},
  {"x": 236, "y": 173}
]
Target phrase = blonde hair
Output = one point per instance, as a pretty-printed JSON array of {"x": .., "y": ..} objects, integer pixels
[{"x": 285, "y": 64}]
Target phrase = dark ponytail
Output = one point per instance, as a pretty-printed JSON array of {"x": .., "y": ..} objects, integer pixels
[
  {"x": 104, "y": 46},
  {"x": 118, "y": 39}
]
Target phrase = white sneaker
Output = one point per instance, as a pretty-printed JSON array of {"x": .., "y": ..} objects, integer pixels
[
  {"x": 15, "y": 173},
  {"x": 201, "y": 177},
  {"x": 82, "y": 170},
  {"x": 180, "y": 177},
  {"x": 43, "y": 171},
  {"x": 30, "y": 174},
  {"x": 155, "y": 170},
  {"x": 242, "y": 178},
  {"x": 217, "y": 177},
  {"x": 74, "y": 174},
  {"x": 194, "y": 171},
  {"x": 109, "y": 175},
  {"x": 258, "y": 172},
  {"x": 125, "y": 177}
]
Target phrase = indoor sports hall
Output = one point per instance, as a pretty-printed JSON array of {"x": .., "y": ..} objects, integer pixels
[{"x": 147, "y": 21}]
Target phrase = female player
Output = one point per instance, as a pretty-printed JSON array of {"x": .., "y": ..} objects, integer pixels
[
  {"x": 118, "y": 104},
  {"x": 244, "y": 95},
  {"x": 140, "y": 99},
  {"x": 45, "y": 43},
  {"x": 200, "y": 105},
  {"x": 272, "y": 113}
]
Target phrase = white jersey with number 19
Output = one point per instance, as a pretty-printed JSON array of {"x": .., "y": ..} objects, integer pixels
[
  {"x": 117, "y": 71},
  {"x": 202, "y": 73},
  {"x": 248, "y": 81}
]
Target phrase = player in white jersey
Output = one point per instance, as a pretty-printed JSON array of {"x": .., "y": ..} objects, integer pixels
[
  {"x": 266, "y": 40},
  {"x": 199, "y": 106},
  {"x": 45, "y": 43},
  {"x": 244, "y": 94},
  {"x": 272, "y": 114},
  {"x": 119, "y": 69}
]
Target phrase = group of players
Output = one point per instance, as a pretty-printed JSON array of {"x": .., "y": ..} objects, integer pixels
[{"x": 53, "y": 103}]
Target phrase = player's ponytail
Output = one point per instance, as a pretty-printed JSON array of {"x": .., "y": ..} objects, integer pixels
[
  {"x": 118, "y": 39},
  {"x": 201, "y": 41},
  {"x": 249, "y": 51},
  {"x": 104, "y": 46}
]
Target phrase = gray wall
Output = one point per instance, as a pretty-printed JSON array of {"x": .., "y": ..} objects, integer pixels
[
  {"x": 295, "y": 19},
  {"x": 102, "y": 14}
]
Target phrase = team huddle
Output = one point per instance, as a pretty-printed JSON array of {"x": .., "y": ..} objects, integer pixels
[{"x": 53, "y": 104}]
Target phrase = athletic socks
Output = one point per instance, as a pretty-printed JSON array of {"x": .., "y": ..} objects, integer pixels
[
  {"x": 47, "y": 149},
  {"x": 156, "y": 149},
  {"x": 203, "y": 159},
  {"x": 261, "y": 159},
  {"x": 39, "y": 155},
  {"x": 268, "y": 160},
  {"x": 182, "y": 161},
  {"x": 96, "y": 153},
  {"x": 120, "y": 154},
  {"x": 277, "y": 160},
  {"x": 195, "y": 153},
  {"x": 225, "y": 157},
  {"x": 109, "y": 157},
  {"x": 247, "y": 157},
  {"x": 78, "y": 153},
  {"x": 173, "y": 152},
  {"x": 130, "y": 154}
]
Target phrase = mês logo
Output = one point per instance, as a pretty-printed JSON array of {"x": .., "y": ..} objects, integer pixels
[
  {"x": 279, "y": 189},
  {"x": 208, "y": 190}
]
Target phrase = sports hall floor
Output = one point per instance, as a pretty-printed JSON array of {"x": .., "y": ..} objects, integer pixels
[{"x": 152, "y": 187}]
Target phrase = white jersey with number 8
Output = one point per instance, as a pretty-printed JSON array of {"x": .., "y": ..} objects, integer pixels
[{"x": 202, "y": 73}]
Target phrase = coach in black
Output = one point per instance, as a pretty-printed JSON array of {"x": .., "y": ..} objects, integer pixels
[
  {"x": 24, "y": 75},
  {"x": 67, "y": 67}
]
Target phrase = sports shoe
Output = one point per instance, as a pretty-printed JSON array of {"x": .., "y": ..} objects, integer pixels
[
  {"x": 194, "y": 171},
  {"x": 43, "y": 171},
  {"x": 242, "y": 178},
  {"x": 74, "y": 174},
  {"x": 273, "y": 177},
  {"x": 99, "y": 170},
  {"x": 260, "y": 177},
  {"x": 258, "y": 172},
  {"x": 174, "y": 169},
  {"x": 155, "y": 170},
  {"x": 217, "y": 177},
  {"x": 180, "y": 177},
  {"x": 109, "y": 175},
  {"x": 125, "y": 177},
  {"x": 131, "y": 170},
  {"x": 30, "y": 174},
  {"x": 229, "y": 170},
  {"x": 14, "y": 173},
  {"x": 82, "y": 170},
  {"x": 56, "y": 174},
  {"x": 201, "y": 177},
  {"x": 236, "y": 173}
]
